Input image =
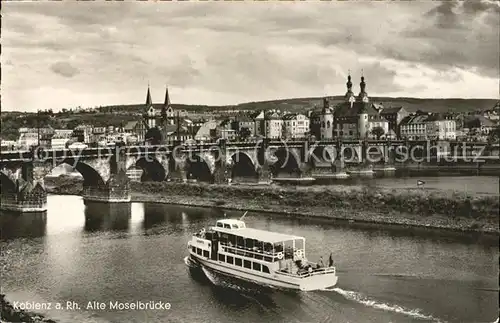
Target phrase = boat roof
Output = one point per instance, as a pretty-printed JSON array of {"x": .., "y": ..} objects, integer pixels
[{"x": 260, "y": 235}]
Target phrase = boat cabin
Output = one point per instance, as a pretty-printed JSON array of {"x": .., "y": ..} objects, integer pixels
[
  {"x": 230, "y": 224},
  {"x": 233, "y": 236}
]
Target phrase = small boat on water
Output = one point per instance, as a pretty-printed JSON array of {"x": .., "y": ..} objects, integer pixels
[{"x": 262, "y": 257}]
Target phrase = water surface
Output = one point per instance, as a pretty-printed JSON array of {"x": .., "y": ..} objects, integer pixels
[{"x": 77, "y": 253}]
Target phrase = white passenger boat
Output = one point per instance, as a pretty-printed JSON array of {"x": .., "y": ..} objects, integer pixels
[{"x": 266, "y": 258}]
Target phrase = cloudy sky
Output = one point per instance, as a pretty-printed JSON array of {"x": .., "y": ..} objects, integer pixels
[{"x": 62, "y": 55}]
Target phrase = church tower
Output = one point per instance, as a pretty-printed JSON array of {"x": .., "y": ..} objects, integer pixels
[
  {"x": 363, "y": 96},
  {"x": 150, "y": 111},
  {"x": 349, "y": 95},
  {"x": 167, "y": 112},
  {"x": 362, "y": 112},
  {"x": 326, "y": 121}
]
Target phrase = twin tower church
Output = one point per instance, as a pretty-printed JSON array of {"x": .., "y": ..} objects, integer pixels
[
  {"x": 353, "y": 118},
  {"x": 155, "y": 117}
]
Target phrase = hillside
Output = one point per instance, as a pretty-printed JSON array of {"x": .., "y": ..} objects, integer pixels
[{"x": 410, "y": 104}]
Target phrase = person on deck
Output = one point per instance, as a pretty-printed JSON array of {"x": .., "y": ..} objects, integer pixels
[
  {"x": 330, "y": 260},
  {"x": 320, "y": 262}
]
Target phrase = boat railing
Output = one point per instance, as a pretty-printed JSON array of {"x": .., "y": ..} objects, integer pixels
[
  {"x": 314, "y": 272},
  {"x": 261, "y": 255}
]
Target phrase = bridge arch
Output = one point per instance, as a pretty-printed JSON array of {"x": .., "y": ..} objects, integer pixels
[
  {"x": 198, "y": 168},
  {"x": 242, "y": 166},
  {"x": 287, "y": 163},
  {"x": 322, "y": 155},
  {"x": 6, "y": 183},
  {"x": 152, "y": 169},
  {"x": 91, "y": 176}
]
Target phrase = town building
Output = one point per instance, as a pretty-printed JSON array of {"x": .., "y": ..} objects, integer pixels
[
  {"x": 82, "y": 133},
  {"x": 30, "y": 137},
  {"x": 207, "y": 131},
  {"x": 440, "y": 128},
  {"x": 414, "y": 127},
  {"x": 8, "y": 145},
  {"x": 259, "y": 123},
  {"x": 273, "y": 125},
  {"x": 394, "y": 115},
  {"x": 60, "y": 139},
  {"x": 137, "y": 129},
  {"x": 244, "y": 126},
  {"x": 295, "y": 126}
]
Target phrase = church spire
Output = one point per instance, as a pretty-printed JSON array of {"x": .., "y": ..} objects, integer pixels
[
  {"x": 349, "y": 95},
  {"x": 149, "y": 102},
  {"x": 167, "y": 98},
  {"x": 349, "y": 83},
  {"x": 363, "y": 96}
]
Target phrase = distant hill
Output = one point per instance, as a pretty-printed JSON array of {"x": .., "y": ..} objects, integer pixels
[
  {"x": 302, "y": 104},
  {"x": 410, "y": 104}
]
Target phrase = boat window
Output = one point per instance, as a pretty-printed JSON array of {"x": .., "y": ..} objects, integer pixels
[
  {"x": 222, "y": 258},
  {"x": 256, "y": 266},
  {"x": 265, "y": 269},
  {"x": 227, "y": 226},
  {"x": 229, "y": 260},
  {"x": 219, "y": 225},
  {"x": 193, "y": 249},
  {"x": 247, "y": 264},
  {"x": 235, "y": 226},
  {"x": 232, "y": 239},
  {"x": 237, "y": 261},
  {"x": 240, "y": 242},
  {"x": 205, "y": 253},
  {"x": 198, "y": 251},
  {"x": 249, "y": 243}
]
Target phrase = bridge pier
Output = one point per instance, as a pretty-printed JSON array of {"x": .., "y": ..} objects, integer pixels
[
  {"x": 116, "y": 189},
  {"x": 177, "y": 164},
  {"x": 23, "y": 195},
  {"x": 364, "y": 167},
  {"x": 264, "y": 174},
  {"x": 338, "y": 163},
  {"x": 221, "y": 172}
]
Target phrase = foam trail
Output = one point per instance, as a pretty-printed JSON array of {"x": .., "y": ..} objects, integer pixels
[{"x": 360, "y": 298}]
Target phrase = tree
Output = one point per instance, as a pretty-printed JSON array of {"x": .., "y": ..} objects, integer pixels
[
  {"x": 378, "y": 132},
  {"x": 245, "y": 133},
  {"x": 154, "y": 136},
  {"x": 494, "y": 135}
]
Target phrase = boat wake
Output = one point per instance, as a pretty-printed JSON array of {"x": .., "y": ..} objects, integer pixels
[{"x": 362, "y": 299}]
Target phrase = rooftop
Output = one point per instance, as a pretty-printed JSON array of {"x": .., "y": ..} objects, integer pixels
[{"x": 259, "y": 235}]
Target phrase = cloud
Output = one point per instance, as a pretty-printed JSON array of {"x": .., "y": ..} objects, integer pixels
[
  {"x": 64, "y": 68},
  {"x": 219, "y": 53}
]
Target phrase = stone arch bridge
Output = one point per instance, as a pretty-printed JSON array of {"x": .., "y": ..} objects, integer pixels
[{"x": 104, "y": 169}]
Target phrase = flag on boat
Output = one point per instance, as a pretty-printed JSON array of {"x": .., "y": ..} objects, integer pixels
[
  {"x": 330, "y": 260},
  {"x": 420, "y": 183}
]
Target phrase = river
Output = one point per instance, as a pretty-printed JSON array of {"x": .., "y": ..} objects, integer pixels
[
  {"x": 477, "y": 185},
  {"x": 83, "y": 253}
]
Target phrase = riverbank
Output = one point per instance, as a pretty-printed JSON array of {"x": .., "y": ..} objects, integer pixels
[
  {"x": 406, "y": 207},
  {"x": 10, "y": 314}
]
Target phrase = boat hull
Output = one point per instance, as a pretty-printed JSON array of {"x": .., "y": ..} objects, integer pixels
[{"x": 271, "y": 280}]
